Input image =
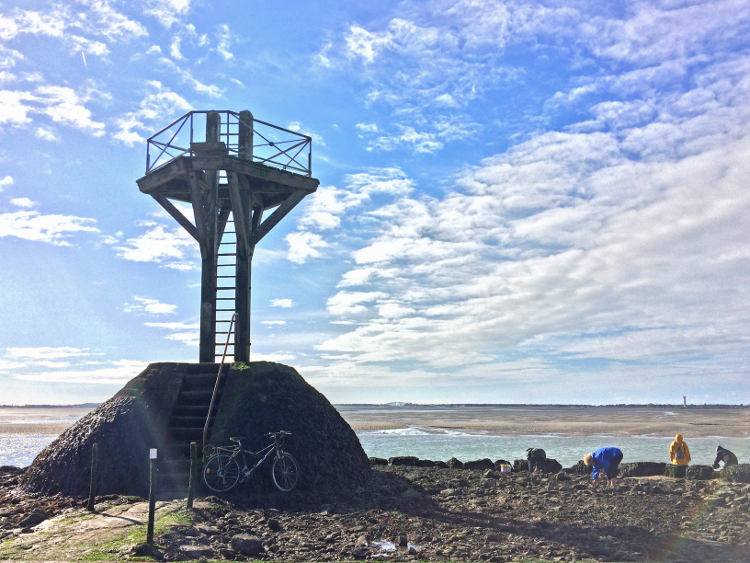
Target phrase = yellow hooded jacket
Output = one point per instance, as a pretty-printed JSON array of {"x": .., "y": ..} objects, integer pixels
[{"x": 678, "y": 451}]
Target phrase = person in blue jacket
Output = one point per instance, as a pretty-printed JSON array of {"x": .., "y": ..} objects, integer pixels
[{"x": 605, "y": 460}]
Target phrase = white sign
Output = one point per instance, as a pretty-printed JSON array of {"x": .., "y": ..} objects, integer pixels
[{"x": 152, "y": 453}]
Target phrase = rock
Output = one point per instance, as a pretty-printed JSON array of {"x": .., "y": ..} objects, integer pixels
[
  {"x": 454, "y": 463},
  {"x": 427, "y": 463},
  {"x": 700, "y": 472},
  {"x": 551, "y": 465},
  {"x": 247, "y": 544},
  {"x": 737, "y": 473},
  {"x": 145, "y": 550},
  {"x": 520, "y": 465},
  {"x": 403, "y": 460},
  {"x": 641, "y": 469},
  {"x": 37, "y": 516},
  {"x": 579, "y": 468},
  {"x": 376, "y": 461},
  {"x": 675, "y": 470},
  {"x": 274, "y": 525},
  {"x": 479, "y": 464},
  {"x": 401, "y": 540},
  {"x": 196, "y": 551}
]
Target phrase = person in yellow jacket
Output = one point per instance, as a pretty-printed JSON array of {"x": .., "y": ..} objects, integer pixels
[{"x": 679, "y": 452}]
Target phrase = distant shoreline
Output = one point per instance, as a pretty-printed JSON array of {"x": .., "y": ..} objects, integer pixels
[{"x": 455, "y": 405}]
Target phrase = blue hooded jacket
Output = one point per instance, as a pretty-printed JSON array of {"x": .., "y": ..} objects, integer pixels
[{"x": 603, "y": 458}]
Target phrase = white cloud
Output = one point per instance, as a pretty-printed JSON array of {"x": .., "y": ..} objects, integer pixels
[
  {"x": 46, "y": 134},
  {"x": 168, "y": 12},
  {"x": 60, "y": 104},
  {"x": 116, "y": 372},
  {"x": 367, "y": 127},
  {"x": 283, "y": 303},
  {"x": 46, "y": 353},
  {"x": 64, "y": 105},
  {"x": 172, "y": 248},
  {"x": 304, "y": 245},
  {"x": 149, "y": 306},
  {"x": 50, "y": 228},
  {"x": 5, "y": 181},
  {"x": 134, "y": 126},
  {"x": 352, "y": 302},
  {"x": 23, "y": 202},
  {"x": 183, "y": 332},
  {"x": 224, "y": 44},
  {"x": 551, "y": 246}
]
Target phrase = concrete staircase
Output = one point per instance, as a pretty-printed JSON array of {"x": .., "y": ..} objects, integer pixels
[{"x": 186, "y": 425}]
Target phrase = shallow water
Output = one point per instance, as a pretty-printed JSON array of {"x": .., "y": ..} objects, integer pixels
[
  {"x": 566, "y": 449},
  {"x": 24, "y": 432},
  {"x": 21, "y": 449}
]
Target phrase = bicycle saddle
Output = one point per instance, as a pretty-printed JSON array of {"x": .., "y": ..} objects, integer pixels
[{"x": 236, "y": 438}]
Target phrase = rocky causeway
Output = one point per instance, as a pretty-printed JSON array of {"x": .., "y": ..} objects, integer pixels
[{"x": 407, "y": 512}]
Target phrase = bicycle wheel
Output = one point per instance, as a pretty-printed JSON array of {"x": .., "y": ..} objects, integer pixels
[
  {"x": 284, "y": 471},
  {"x": 221, "y": 472}
]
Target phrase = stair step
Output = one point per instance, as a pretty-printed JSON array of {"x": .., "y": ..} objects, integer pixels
[
  {"x": 188, "y": 421},
  {"x": 205, "y": 379},
  {"x": 191, "y": 410},
  {"x": 190, "y": 396},
  {"x": 189, "y": 434}
]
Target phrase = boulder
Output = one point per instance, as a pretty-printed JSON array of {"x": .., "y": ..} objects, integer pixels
[
  {"x": 454, "y": 463},
  {"x": 737, "y": 473},
  {"x": 427, "y": 463},
  {"x": 520, "y": 465},
  {"x": 403, "y": 460},
  {"x": 247, "y": 544},
  {"x": 579, "y": 468},
  {"x": 642, "y": 469},
  {"x": 257, "y": 398},
  {"x": 700, "y": 472},
  {"x": 551, "y": 465},
  {"x": 479, "y": 464},
  {"x": 675, "y": 470},
  {"x": 374, "y": 461},
  {"x": 500, "y": 462}
]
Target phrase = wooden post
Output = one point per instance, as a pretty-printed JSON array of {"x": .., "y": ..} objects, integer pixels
[
  {"x": 207, "y": 215},
  {"x": 245, "y": 138},
  {"x": 151, "y": 495},
  {"x": 244, "y": 250},
  {"x": 193, "y": 475},
  {"x": 94, "y": 476}
]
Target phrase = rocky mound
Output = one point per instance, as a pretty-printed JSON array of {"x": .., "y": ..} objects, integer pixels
[
  {"x": 257, "y": 398},
  {"x": 267, "y": 397}
]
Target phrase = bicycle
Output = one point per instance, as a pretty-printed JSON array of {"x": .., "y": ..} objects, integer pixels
[{"x": 227, "y": 465}]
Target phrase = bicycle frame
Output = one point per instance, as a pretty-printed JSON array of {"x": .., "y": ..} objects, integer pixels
[{"x": 239, "y": 452}]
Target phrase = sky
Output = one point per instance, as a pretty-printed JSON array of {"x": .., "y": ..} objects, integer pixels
[{"x": 519, "y": 202}]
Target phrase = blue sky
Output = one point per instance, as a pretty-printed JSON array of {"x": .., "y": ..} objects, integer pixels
[{"x": 519, "y": 202}]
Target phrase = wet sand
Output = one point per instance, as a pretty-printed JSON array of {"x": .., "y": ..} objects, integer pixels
[
  {"x": 42, "y": 421},
  {"x": 733, "y": 422}
]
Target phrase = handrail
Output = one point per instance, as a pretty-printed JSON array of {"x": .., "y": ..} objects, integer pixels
[
  {"x": 216, "y": 385},
  {"x": 271, "y": 145}
]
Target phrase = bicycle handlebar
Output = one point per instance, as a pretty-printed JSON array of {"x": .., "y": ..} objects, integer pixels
[{"x": 279, "y": 434}]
